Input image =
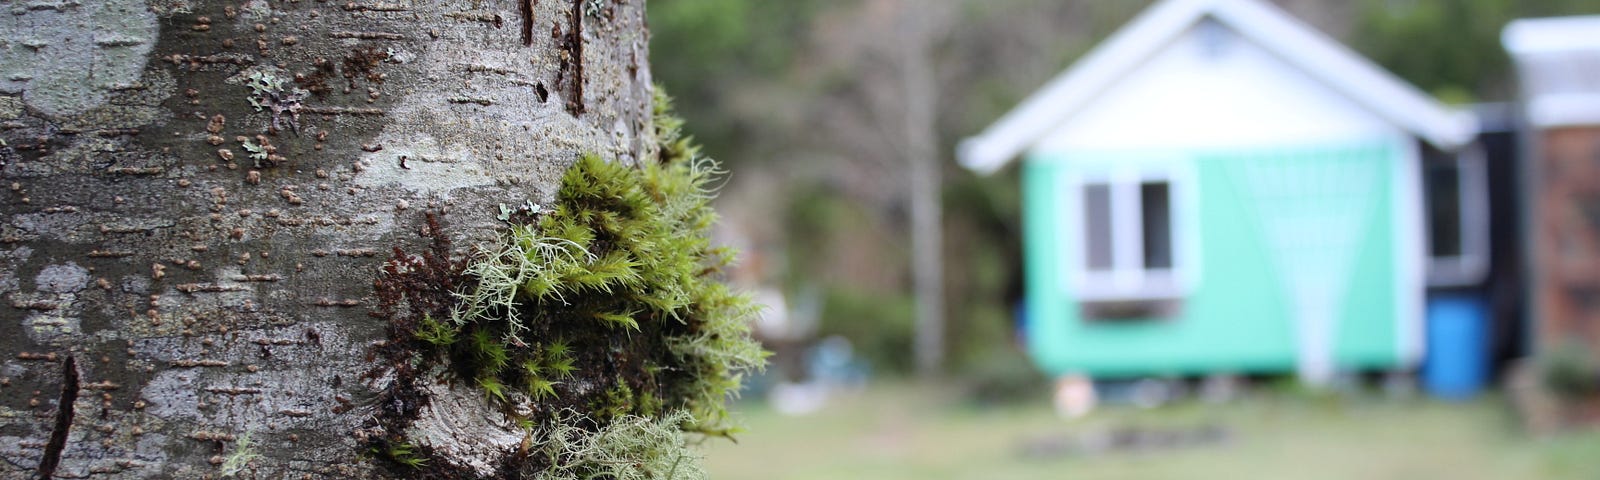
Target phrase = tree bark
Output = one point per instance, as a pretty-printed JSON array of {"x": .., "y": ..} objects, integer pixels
[{"x": 198, "y": 195}]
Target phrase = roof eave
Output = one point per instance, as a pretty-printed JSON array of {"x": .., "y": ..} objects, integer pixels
[
  {"x": 1356, "y": 77},
  {"x": 1059, "y": 98}
]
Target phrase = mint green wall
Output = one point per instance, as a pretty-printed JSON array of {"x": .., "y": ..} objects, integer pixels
[{"x": 1238, "y": 315}]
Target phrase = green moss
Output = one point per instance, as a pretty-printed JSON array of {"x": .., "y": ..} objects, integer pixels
[
  {"x": 435, "y": 332},
  {"x": 616, "y": 402},
  {"x": 401, "y": 453},
  {"x": 623, "y": 262},
  {"x": 616, "y": 283}
]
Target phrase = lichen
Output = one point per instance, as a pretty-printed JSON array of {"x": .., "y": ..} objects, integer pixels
[
  {"x": 268, "y": 93},
  {"x": 243, "y": 453},
  {"x": 602, "y": 312},
  {"x": 625, "y": 448},
  {"x": 262, "y": 152}
]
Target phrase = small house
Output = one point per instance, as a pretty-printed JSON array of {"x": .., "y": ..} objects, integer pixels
[{"x": 1220, "y": 188}]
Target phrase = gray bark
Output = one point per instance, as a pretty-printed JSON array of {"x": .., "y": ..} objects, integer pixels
[
  {"x": 163, "y": 294},
  {"x": 917, "y": 25}
]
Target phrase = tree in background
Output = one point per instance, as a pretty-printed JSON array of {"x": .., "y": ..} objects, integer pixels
[
  {"x": 1451, "y": 48},
  {"x": 828, "y": 137},
  {"x": 719, "y": 50}
]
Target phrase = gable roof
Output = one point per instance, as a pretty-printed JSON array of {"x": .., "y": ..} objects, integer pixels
[{"x": 1296, "y": 43}]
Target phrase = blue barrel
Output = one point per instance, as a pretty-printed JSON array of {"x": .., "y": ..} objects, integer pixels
[{"x": 1456, "y": 365}]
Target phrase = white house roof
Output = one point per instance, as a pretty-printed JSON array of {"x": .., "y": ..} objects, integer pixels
[
  {"x": 1556, "y": 59},
  {"x": 1298, "y": 44},
  {"x": 1550, "y": 35}
]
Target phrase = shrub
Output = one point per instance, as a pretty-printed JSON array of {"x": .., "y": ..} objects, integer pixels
[{"x": 1570, "y": 371}]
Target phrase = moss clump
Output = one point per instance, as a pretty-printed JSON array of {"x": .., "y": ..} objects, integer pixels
[
  {"x": 604, "y": 312},
  {"x": 618, "y": 278},
  {"x": 622, "y": 268}
]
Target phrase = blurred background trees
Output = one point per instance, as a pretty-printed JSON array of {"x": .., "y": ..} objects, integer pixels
[
  {"x": 808, "y": 102},
  {"x": 1451, "y": 48}
]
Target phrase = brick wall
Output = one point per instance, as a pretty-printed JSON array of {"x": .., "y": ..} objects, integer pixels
[{"x": 1567, "y": 236}]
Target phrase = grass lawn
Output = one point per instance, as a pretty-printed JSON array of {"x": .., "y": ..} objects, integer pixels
[{"x": 903, "y": 431}]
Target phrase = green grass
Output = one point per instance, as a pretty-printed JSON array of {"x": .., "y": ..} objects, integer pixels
[{"x": 892, "y": 432}]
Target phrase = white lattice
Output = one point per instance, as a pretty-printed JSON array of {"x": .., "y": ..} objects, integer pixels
[{"x": 1313, "y": 210}]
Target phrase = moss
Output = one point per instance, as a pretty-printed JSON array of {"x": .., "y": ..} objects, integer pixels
[
  {"x": 594, "y": 319},
  {"x": 619, "y": 400},
  {"x": 401, "y": 453},
  {"x": 623, "y": 266},
  {"x": 435, "y": 332}
]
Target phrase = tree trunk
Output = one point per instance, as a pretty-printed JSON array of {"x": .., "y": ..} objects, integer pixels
[
  {"x": 198, "y": 196},
  {"x": 917, "y": 25}
]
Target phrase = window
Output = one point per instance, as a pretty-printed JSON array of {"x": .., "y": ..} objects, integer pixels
[
  {"x": 1126, "y": 231},
  {"x": 1458, "y": 217},
  {"x": 1444, "y": 210},
  {"x": 1114, "y": 240},
  {"x": 1156, "y": 211},
  {"x": 1097, "y": 227}
]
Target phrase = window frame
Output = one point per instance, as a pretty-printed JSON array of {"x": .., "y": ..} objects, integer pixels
[
  {"x": 1128, "y": 279},
  {"x": 1472, "y": 200}
]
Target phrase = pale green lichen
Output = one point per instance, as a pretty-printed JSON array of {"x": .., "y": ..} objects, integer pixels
[
  {"x": 268, "y": 93},
  {"x": 257, "y": 152},
  {"x": 626, "y": 448},
  {"x": 243, "y": 454}
]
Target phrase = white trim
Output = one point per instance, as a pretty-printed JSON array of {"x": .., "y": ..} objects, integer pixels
[
  {"x": 1128, "y": 279},
  {"x": 1472, "y": 198},
  {"x": 1555, "y": 57},
  {"x": 1564, "y": 109},
  {"x": 1548, "y": 35},
  {"x": 1127, "y": 231},
  {"x": 1155, "y": 28},
  {"x": 1409, "y": 233}
]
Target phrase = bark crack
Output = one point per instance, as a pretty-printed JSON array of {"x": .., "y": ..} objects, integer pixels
[
  {"x": 64, "y": 414},
  {"x": 575, "y": 42},
  {"x": 527, "y": 22}
]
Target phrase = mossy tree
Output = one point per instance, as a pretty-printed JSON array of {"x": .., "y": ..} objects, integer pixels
[
  {"x": 199, "y": 197},
  {"x": 597, "y": 323}
]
